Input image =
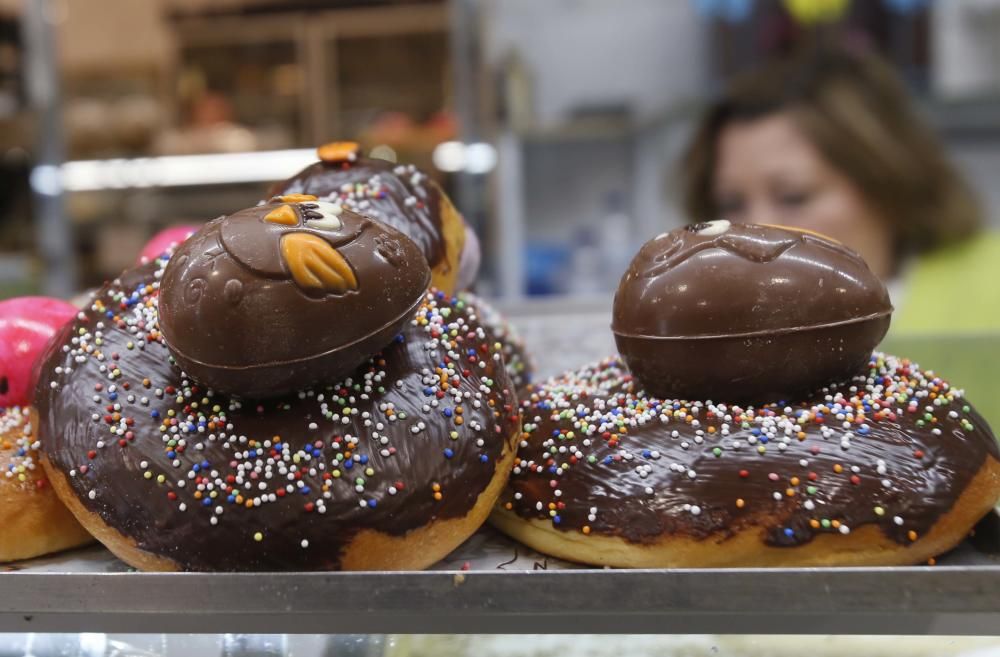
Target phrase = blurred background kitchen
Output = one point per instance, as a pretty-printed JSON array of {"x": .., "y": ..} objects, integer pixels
[{"x": 557, "y": 126}]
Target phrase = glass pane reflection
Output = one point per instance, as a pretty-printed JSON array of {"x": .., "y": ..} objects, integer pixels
[{"x": 360, "y": 645}]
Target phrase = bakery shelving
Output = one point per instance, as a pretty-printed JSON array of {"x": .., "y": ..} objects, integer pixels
[{"x": 288, "y": 91}]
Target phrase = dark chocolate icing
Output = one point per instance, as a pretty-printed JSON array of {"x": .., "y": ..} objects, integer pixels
[
  {"x": 519, "y": 362},
  {"x": 399, "y": 195},
  {"x": 895, "y": 448},
  {"x": 272, "y": 299},
  {"x": 747, "y": 312},
  {"x": 190, "y": 475}
]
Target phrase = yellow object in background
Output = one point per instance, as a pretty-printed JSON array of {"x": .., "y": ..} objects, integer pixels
[
  {"x": 954, "y": 290},
  {"x": 810, "y": 12},
  {"x": 948, "y": 319}
]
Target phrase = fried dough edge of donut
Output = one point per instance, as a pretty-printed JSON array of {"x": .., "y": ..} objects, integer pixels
[
  {"x": 120, "y": 545},
  {"x": 34, "y": 522},
  {"x": 444, "y": 275},
  {"x": 865, "y": 546},
  {"x": 370, "y": 550},
  {"x": 429, "y": 544}
]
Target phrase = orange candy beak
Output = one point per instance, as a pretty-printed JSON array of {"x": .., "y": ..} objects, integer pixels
[{"x": 339, "y": 151}]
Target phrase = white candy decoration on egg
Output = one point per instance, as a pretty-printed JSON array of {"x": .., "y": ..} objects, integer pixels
[
  {"x": 330, "y": 212},
  {"x": 717, "y": 227}
]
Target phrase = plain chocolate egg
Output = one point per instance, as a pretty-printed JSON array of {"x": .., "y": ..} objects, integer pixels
[{"x": 746, "y": 312}]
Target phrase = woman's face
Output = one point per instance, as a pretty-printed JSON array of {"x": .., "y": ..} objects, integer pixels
[{"x": 767, "y": 172}]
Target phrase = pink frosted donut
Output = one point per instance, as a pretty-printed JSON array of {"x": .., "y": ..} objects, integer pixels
[
  {"x": 33, "y": 520},
  {"x": 26, "y": 326},
  {"x": 165, "y": 239}
]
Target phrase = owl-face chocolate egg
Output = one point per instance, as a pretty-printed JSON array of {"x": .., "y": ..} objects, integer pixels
[
  {"x": 399, "y": 195},
  {"x": 745, "y": 312},
  {"x": 282, "y": 296}
]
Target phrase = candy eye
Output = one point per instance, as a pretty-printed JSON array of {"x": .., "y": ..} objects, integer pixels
[
  {"x": 324, "y": 224},
  {"x": 322, "y": 215},
  {"x": 709, "y": 228}
]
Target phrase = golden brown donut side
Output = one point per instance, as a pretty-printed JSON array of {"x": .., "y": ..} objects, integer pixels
[
  {"x": 120, "y": 545},
  {"x": 444, "y": 274},
  {"x": 891, "y": 468},
  {"x": 427, "y": 545},
  {"x": 33, "y": 522}
]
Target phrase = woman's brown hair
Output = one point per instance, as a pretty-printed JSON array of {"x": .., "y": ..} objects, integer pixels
[{"x": 857, "y": 114}]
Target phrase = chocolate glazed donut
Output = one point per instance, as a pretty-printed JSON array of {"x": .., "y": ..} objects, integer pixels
[
  {"x": 892, "y": 468},
  {"x": 390, "y": 468},
  {"x": 519, "y": 362}
]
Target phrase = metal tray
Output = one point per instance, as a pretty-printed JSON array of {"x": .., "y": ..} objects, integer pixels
[{"x": 492, "y": 585}]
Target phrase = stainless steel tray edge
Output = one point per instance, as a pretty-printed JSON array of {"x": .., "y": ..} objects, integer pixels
[{"x": 912, "y": 600}]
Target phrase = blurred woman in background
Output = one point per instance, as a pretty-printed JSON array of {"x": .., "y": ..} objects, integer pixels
[{"x": 829, "y": 142}]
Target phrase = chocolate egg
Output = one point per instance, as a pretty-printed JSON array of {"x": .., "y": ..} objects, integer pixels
[
  {"x": 745, "y": 312},
  {"x": 276, "y": 298}
]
